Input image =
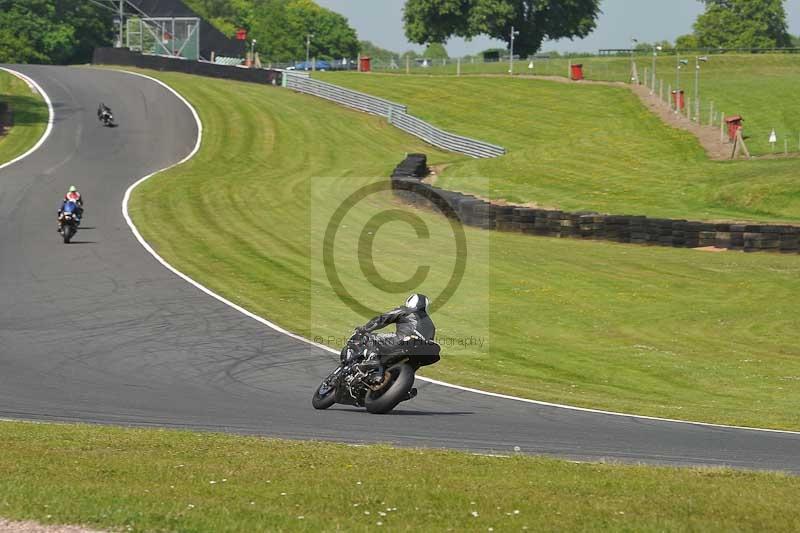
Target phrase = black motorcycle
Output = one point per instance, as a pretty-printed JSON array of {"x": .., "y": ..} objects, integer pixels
[
  {"x": 107, "y": 118},
  {"x": 353, "y": 382},
  {"x": 69, "y": 225}
]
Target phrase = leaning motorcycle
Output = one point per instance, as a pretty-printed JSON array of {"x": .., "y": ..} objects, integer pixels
[
  {"x": 68, "y": 224},
  {"x": 352, "y": 383},
  {"x": 107, "y": 119}
]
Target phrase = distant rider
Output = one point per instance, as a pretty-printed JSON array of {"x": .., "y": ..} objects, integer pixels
[
  {"x": 103, "y": 111},
  {"x": 414, "y": 327},
  {"x": 72, "y": 196}
]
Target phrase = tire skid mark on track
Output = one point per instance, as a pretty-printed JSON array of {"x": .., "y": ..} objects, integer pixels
[{"x": 295, "y": 336}]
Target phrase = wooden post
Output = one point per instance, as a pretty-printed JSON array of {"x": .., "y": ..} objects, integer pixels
[
  {"x": 739, "y": 145},
  {"x": 669, "y": 95},
  {"x": 722, "y": 127}
]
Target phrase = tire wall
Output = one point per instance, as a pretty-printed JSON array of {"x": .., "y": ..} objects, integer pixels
[{"x": 408, "y": 185}]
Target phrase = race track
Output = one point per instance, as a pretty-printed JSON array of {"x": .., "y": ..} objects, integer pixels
[{"x": 99, "y": 331}]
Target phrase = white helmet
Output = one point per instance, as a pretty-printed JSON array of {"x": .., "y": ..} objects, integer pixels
[{"x": 417, "y": 302}]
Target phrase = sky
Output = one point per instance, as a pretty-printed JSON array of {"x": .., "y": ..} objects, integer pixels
[{"x": 381, "y": 21}]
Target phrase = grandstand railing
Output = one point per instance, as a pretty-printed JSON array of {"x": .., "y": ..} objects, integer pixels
[{"x": 396, "y": 114}]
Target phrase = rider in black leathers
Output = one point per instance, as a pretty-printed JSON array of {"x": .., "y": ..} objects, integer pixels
[
  {"x": 414, "y": 328},
  {"x": 102, "y": 111}
]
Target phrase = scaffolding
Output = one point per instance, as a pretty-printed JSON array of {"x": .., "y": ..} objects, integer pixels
[{"x": 168, "y": 36}]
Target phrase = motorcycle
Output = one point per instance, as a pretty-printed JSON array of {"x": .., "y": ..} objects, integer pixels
[
  {"x": 352, "y": 382},
  {"x": 68, "y": 222},
  {"x": 107, "y": 119}
]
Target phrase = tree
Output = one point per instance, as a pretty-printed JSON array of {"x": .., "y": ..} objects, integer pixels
[
  {"x": 52, "y": 31},
  {"x": 687, "y": 42},
  {"x": 436, "y": 51},
  {"x": 281, "y": 26},
  {"x": 369, "y": 49},
  {"x": 742, "y": 24},
  {"x": 434, "y": 21}
]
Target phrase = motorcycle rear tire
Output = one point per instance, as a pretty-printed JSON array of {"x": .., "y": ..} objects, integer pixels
[
  {"x": 382, "y": 401},
  {"x": 320, "y": 401}
]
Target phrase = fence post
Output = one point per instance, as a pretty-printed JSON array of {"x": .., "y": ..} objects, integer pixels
[
  {"x": 711, "y": 115},
  {"x": 661, "y": 90},
  {"x": 458, "y": 67},
  {"x": 722, "y": 127},
  {"x": 646, "y": 77},
  {"x": 569, "y": 70},
  {"x": 670, "y": 99},
  {"x": 408, "y": 64}
]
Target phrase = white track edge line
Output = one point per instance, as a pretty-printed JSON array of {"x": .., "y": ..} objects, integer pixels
[
  {"x": 50, "y": 119},
  {"x": 279, "y": 329}
]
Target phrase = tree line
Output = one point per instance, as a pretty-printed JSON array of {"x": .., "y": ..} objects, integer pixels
[
  {"x": 66, "y": 31},
  {"x": 52, "y": 31}
]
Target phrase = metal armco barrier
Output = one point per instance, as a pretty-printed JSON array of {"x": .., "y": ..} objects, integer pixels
[
  {"x": 407, "y": 185},
  {"x": 442, "y": 139},
  {"x": 397, "y": 114},
  {"x": 340, "y": 95}
]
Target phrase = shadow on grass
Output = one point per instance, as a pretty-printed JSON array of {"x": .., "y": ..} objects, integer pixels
[{"x": 25, "y": 110}]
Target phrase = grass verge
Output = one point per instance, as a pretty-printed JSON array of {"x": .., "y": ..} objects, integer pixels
[
  {"x": 758, "y": 86},
  {"x": 663, "y": 332},
  {"x": 589, "y": 147},
  {"x": 159, "y": 480},
  {"x": 30, "y": 117}
]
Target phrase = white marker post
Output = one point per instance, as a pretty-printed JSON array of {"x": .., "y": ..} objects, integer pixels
[{"x": 773, "y": 138}]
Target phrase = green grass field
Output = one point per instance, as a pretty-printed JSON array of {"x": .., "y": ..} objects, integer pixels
[
  {"x": 676, "y": 333},
  {"x": 151, "y": 480},
  {"x": 30, "y": 117},
  {"x": 582, "y": 147},
  {"x": 759, "y": 87}
]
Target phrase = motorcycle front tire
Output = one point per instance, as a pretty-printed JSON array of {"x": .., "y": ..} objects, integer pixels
[
  {"x": 384, "y": 400},
  {"x": 67, "y": 232},
  {"x": 323, "y": 401}
]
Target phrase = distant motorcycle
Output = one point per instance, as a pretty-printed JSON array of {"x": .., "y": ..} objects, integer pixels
[
  {"x": 349, "y": 384},
  {"x": 68, "y": 222},
  {"x": 107, "y": 119}
]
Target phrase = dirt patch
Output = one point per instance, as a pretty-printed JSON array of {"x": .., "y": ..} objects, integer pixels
[
  {"x": 709, "y": 136},
  {"x": 8, "y": 526}
]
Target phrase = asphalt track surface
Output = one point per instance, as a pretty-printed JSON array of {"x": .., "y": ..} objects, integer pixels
[{"x": 98, "y": 331}]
